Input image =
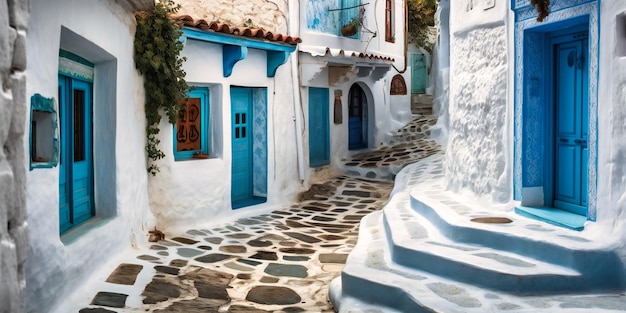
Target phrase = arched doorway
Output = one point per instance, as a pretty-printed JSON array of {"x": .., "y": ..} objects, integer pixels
[{"x": 357, "y": 118}]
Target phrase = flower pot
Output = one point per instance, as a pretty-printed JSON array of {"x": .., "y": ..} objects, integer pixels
[{"x": 349, "y": 30}]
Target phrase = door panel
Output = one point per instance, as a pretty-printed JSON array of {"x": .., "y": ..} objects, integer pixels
[
  {"x": 319, "y": 132},
  {"x": 241, "y": 101},
  {"x": 571, "y": 109},
  {"x": 76, "y": 203},
  {"x": 357, "y": 122}
]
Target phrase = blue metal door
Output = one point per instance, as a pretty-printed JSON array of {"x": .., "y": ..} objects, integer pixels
[
  {"x": 571, "y": 125},
  {"x": 76, "y": 203},
  {"x": 357, "y": 114},
  {"x": 241, "y": 107},
  {"x": 319, "y": 127}
]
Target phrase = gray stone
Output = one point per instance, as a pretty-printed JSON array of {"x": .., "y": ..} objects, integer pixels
[
  {"x": 159, "y": 290},
  {"x": 295, "y": 258},
  {"x": 297, "y": 250},
  {"x": 157, "y": 247},
  {"x": 125, "y": 274},
  {"x": 214, "y": 240},
  {"x": 302, "y": 237},
  {"x": 273, "y": 295},
  {"x": 339, "y": 258},
  {"x": 287, "y": 270},
  {"x": 188, "y": 252},
  {"x": 265, "y": 255},
  {"x": 185, "y": 240},
  {"x": 198, "y": 305},
  {"x": 233, "y": 249},
  {"x": 214, "y": 257},
  {"x": 454, "y": 294},
  {"x": 167, "y": 269},
  {"x": 146, "y": 257},
  {"x": 178, "y": 263},
  {"x": 110, "y": 299},
  {"x": 95, "y": 310},
  {"x": 19, "y": 53}
]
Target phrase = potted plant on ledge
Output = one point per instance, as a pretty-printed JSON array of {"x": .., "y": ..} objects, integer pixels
[{"x": 351, "y": 28}]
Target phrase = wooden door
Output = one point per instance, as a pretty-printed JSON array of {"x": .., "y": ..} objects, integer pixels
[{"x": 319, "y": 127}]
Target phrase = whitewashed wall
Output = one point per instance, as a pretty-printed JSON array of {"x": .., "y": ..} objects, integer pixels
[
  {"x": 611, "y": 212},
  {"x": 198, "y": 191},
  {"x": 121, "y": 198},
  {"x": 477, "y": 157}
]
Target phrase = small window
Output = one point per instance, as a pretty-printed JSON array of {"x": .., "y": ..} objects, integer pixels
[
  {"x": 191, "y": 132},
  {"x": 389, "y": 33}
]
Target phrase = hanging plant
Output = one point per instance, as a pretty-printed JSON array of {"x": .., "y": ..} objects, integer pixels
[
  {"x": 351, "y": 28},
  {"x": 542, "y": 7},
  {"x": 157, "y": 57}
]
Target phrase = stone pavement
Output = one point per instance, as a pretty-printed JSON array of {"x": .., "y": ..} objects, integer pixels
[
  {"x": 282, "y": 261},
  {"x": 277, "y": 262}
]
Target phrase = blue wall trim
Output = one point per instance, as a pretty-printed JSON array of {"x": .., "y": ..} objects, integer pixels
[{"x": 235, "y": 49}]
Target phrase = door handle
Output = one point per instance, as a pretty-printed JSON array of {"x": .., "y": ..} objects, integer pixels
[
  {"x": 580, "y": 141},
  {"x": 563, "y": 140}
]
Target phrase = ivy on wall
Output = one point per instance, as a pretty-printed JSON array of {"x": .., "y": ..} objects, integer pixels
[
  {"x": 421, "y": 15},
  {"x": 157, "y": 57}
]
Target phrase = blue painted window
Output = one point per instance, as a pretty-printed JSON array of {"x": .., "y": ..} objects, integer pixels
[{"x": 191, "y": 132}]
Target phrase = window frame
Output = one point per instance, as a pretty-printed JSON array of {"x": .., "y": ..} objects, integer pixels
[
  {"x": 203, "y": 94},
  {"x": 389, "y": 31}
]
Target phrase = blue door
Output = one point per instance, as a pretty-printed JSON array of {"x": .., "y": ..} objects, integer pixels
[
  {"x": 76, "y": 203},
  {"x": 319, "y": 127},
  {"x": 419, "y": 73},
  {"x": 357, "y": 118},
  {"x": 571, "y": 122},
  {"x": 241, "y": 106}
]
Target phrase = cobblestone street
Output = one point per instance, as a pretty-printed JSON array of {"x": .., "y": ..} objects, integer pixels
[{"x": 278, "y": 262}]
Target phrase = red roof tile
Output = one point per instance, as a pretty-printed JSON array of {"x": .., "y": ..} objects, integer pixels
[
  {"x": 201, "y": 24},
  {"x": 359, "y": 55}
]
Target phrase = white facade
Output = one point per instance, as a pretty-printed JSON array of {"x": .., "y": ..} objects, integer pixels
[
  {"x": 329, "y": 60},
  {"x": 56, "y": 264},
  {"x": 482, "y": 156}
]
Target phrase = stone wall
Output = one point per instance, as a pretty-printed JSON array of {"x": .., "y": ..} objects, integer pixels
[
  {"x": 476, "y": 151},
  {"x": 270, "y": 15},
  {"x": 13, "y": 22}
]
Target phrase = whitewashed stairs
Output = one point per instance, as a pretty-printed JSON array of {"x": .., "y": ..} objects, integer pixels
[{"x": 422, "y": 253}]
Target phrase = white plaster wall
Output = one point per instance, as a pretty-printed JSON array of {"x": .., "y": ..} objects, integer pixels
[
  {"x": 270, "y": 15},
  {"x": 374, "y": 20},
  {"x": 190, "y": 192},
  {"x": 476, "y": 154},
  {"x": 123, "y": 217},
  {"x": 611, "y": 213}
]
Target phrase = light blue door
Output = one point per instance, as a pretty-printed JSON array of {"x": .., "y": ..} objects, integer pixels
[
  {"x": 357, "y": 118},
  {"x": 76, "y": 203},
  {"x": 241, "y": 107},
  {"x": 319, "y": 127},
  {"x": 571, "y": 125},
  {"x": 419, "y": 73}
]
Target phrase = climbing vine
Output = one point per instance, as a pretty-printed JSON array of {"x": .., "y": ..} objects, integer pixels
[
  {"x": 542, "y": 8},
  {"x": 421, "y": 15},
  {"x": 157, "y": 57}
]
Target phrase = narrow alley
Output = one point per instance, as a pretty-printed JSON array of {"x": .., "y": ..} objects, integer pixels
[{"x": 282, "y": 261}]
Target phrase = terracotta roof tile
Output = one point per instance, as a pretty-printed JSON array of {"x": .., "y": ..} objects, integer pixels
[
  {"x": 201, "y": 24},
  {"x": 361, "y": 55}
]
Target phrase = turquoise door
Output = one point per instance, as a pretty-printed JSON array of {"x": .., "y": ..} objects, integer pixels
[
  {"x": 357, "y": 117},
  {"x": 571, "y": 123},
  {"x": 419, "y": 73},
  {"x": 241, "y": 106},
  {"x": 76, "y": 203},
  {"x": 319, "y": 127}
]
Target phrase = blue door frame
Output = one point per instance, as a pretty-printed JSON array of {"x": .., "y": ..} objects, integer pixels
[
  {"x": 319, "y": 127},
  {"x": 76, "y": 203},
  {"x": 570, "y": 116},
  {"x": 357, "y": 118}
]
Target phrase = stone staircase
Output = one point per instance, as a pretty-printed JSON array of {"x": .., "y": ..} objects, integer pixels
[
  {"x": 430, "y": 251},
  {"x": 404, "y": 146},
  {"x": 422, "y": 104}
]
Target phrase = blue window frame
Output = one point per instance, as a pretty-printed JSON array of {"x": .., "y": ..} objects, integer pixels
[{"x": 191, "y": 132}]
